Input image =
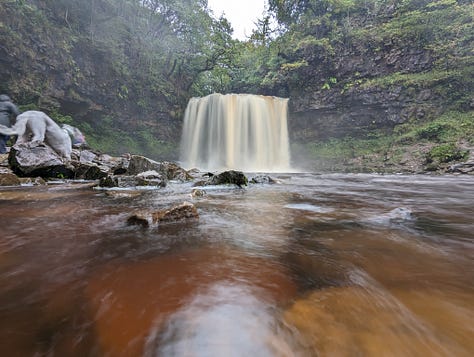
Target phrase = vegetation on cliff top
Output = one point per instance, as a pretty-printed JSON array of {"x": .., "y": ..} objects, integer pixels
[{"x": 123, "y": 70}]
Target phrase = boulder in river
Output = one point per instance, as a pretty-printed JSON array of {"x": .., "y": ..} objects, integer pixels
[
  {"x": 169, "y": 170},
  {"x": 151, "y": 178},
  {"x": 180, "y": 212},
  {"x": 228, "y": 178}
]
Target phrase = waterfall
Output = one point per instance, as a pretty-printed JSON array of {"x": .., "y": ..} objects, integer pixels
[{"x": 236, "y": 131}]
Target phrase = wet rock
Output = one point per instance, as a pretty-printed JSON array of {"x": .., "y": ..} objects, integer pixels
[
  {"x": 139, "y": 164},
  {"x": 38, "y": 159},
  {"x": 123, "y": 194},
  {"x": 150, "y": 178},
  {"x": 173, "y": 171},
  {"x": 84, "y": 155},
  {"x": 142, "y": 219},
  {"x": 117, "y": 165},
  {"x": 183, "y": 211},
  {"x": 169, "y": 170},
  {"x": 109, "y": 182},
  {"x": 33, "y": 181},
  {"x": 263, "y": 179},
  {"x": 113, "y": 181},
  {"x": 89, "y": 171},
  {"x": 397, "y": 215},
  {"x": 197, "y": 193},
  {"x": 462, "y": 168},
  {"x": 8, "y": 178},
  {"x": 228, "y": 178}
]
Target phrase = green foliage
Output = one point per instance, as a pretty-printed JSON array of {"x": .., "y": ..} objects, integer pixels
[
  {"x": 149, "y": 56},
  {"x": 61, "y": 118},
  {"x": 445, "y": 153},
  {"x": 451, "y": 127},
  {"x": 432, "y": 131},
  {"x": 26, "y": 107}
]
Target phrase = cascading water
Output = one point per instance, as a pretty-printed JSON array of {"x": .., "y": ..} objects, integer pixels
[{"x": 236, "y": 131}]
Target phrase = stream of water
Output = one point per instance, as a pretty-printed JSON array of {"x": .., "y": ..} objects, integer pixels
[{"x": 329, "y": 265}]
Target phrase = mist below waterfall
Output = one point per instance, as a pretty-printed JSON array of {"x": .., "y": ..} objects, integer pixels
[{"x": 236, "y": 131}]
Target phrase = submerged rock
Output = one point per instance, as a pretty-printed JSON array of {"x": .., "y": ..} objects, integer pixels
[
  {"x": 183, "y": 211},
  {"x": 397, "y": 215},
  {"x": 358, "y": 321},
  {"x": 197, "y": 193},
  {"x": 263, "y": 179}
]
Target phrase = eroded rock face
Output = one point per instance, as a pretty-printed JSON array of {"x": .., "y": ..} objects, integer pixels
[
  {"x": 356, "y": 107},
  {"x": 181, "y": 212}
]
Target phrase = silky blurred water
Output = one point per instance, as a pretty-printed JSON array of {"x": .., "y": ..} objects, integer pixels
[{"x": 330, "y": 265}]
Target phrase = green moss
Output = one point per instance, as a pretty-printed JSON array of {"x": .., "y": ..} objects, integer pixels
[{"x": 446, "y": 153}]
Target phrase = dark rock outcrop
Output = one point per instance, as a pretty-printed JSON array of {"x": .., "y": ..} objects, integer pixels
[
  {"x": 230, "y": 177},
  {"x": 38, "y": 159},
  {"x": 89, "y": 171}
]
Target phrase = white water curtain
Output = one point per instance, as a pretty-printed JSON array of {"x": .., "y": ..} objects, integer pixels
[{"x": 236, "y": 131}]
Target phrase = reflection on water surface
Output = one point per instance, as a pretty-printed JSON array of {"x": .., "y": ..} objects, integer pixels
[{"x": 316, "y": 265}]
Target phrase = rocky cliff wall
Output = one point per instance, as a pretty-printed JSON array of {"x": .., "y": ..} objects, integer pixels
[{"x": 356, "y": 104}]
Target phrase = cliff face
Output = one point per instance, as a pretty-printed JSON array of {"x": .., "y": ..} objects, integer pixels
[
  {"x": 362, "y": 75},
  {"x": 360, "y": 106}
]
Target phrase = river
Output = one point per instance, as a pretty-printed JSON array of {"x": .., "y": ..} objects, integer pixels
[{"x": 329, "y": 265}]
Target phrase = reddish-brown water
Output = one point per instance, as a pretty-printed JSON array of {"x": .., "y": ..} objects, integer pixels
[{"x": 330, "y": 265}]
